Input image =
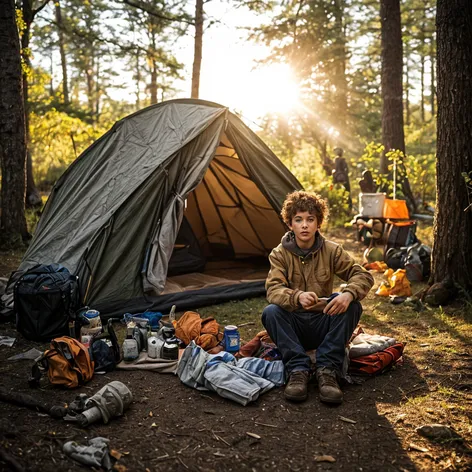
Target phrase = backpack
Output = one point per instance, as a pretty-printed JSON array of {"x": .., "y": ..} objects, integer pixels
[
  {"x": 401, "y": 234},
  {"x": 46, "y": 298},
  {"x": 105, "y": 350},
  {"x": 67, "y": 363},
  {"x": 378, "y": 362}
]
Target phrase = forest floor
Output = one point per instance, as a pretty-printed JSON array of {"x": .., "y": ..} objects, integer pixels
[{"x": 172, "y": 427}]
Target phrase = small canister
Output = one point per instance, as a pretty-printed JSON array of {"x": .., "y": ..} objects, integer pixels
[
  {"x": 231, "y": 338},
  {"x": 92, "y": 329},
  {"x": 154, "y": 347},
  {"x": 170, "y": 349}
]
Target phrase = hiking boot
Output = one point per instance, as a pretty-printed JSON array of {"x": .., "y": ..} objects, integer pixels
[
  {"x": 328, "y": 385},
  {"x": 297, "y": 386}
]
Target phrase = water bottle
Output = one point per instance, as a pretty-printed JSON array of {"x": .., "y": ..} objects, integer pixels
[{"x": 130, "y": 347}]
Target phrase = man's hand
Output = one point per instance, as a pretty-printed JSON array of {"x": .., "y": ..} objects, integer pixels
[
  {"x": 338, "y": 304},
  {"x": 308, "y": 299}
]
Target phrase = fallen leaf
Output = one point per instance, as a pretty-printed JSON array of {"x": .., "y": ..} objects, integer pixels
[
  {"x": 325, "y": 459},
  {"x": 347, "y": 420},
  {"x": 417, "y": 448},
  {"x": 116, "y": 454},
  {"x": 154, "y": 425},
  {"x": 254, "y": 435},
  {"x": 120, "y": 468}
]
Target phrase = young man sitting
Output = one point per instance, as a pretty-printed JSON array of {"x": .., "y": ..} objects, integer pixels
[{"x": 302, "y": 270}]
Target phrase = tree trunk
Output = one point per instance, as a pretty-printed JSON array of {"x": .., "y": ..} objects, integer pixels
[
  {"x": 452, "y": 248},
  {"x": 153, "y": 65},
  {"x": 422, "y": 52},
  {"x": 392, "y": 88},
  {"x": 97, "y": 93},
  {"x": 89, "y": 75},
  {"x": 433, "y": 80},
  {"x": 60, "y": 33},
  {"x": 393, "y": 137},
  {"x": 197, "y": 55},
  {"x": 138, "y": 81},
  {"x": 12, "y": 128},
  {"x": 33, "y": 198},
  {"x": 340, "y": 80},
  {"x": 407, "y": 92}
]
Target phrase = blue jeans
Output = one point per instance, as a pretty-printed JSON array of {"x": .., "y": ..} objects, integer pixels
[{"x": 296, "y": 332}]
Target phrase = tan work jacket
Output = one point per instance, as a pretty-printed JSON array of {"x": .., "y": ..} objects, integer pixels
[{"x": 292, "y": 273}]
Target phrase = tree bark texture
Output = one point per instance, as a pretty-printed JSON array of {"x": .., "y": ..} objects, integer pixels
[
  {"x": 60, "y": 33},
  {"x": 33, "y": 198},
  {"x": 392, "y": 88},
  {"x": 197, "y": 55},
  {"x": 433, "y": 78},
  {"x": 452, "y": 248},
  {"x": 340, "y": 80},
  {"x": 393, "y": 136},
  {"x": 12, "y": 127}
]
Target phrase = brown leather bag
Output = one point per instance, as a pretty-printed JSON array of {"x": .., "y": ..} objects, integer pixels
[{"x": 67, "y": 363}]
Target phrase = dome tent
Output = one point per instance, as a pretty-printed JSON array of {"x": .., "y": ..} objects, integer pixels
[{"x": 114, "y": 216}]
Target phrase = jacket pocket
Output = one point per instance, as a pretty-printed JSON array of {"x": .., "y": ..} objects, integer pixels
[
  {"x": 296, "y": 280},
  {"x": 321, "y": 276}
]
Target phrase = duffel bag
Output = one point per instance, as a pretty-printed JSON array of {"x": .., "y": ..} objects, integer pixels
[
  {"x": 46, "y": 298},
  {"x": 67, "y": 363}
]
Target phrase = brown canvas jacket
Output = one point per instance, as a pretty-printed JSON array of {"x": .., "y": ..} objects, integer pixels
[{"x": 292, "y": 272}]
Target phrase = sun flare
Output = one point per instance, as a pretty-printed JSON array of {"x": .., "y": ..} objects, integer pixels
[
  {"x": 255, "y": 91},
  {"x": 276, "y": 89}
]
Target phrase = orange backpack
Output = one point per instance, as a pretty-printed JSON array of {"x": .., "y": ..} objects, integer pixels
[{"x": 67, "y": 363}]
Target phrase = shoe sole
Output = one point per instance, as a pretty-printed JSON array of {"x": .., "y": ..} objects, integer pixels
[
  {"x": 330, "y": 400},
  {"x": 296, "y": 399}
]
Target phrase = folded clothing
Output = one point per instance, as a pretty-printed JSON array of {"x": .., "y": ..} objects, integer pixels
[
  {"x": 241, "y": 381},
  {"x": 364, "y": 344}
]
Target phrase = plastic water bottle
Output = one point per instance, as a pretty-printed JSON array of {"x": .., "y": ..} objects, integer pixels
[
  {"x": 231, "y": 338},
  {"x": 130, "y": 346}
]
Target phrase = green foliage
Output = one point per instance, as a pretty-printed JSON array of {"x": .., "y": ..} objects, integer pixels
[
  {"x": 56, "y": 140},
  {"x": 420, "y": 169}
]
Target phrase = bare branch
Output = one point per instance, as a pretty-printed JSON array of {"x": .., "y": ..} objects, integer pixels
[
  {"x": 157, "y": 14},
  {"x": 35, "y": 12}
]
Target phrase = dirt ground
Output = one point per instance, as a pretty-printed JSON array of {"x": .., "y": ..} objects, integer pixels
[{"x": 172, "y": 427}]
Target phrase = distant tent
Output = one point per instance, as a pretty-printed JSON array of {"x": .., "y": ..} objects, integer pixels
[{"x": 177, "y": 204}]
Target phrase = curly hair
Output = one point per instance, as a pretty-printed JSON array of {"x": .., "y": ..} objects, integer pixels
[{"x": 304, "y": 201}]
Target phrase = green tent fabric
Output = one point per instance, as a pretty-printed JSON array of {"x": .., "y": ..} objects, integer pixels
[{"x": 113, "y": 218}]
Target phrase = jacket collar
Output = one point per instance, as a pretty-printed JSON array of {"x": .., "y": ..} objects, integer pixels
[{"x": 289, "y": 243}]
